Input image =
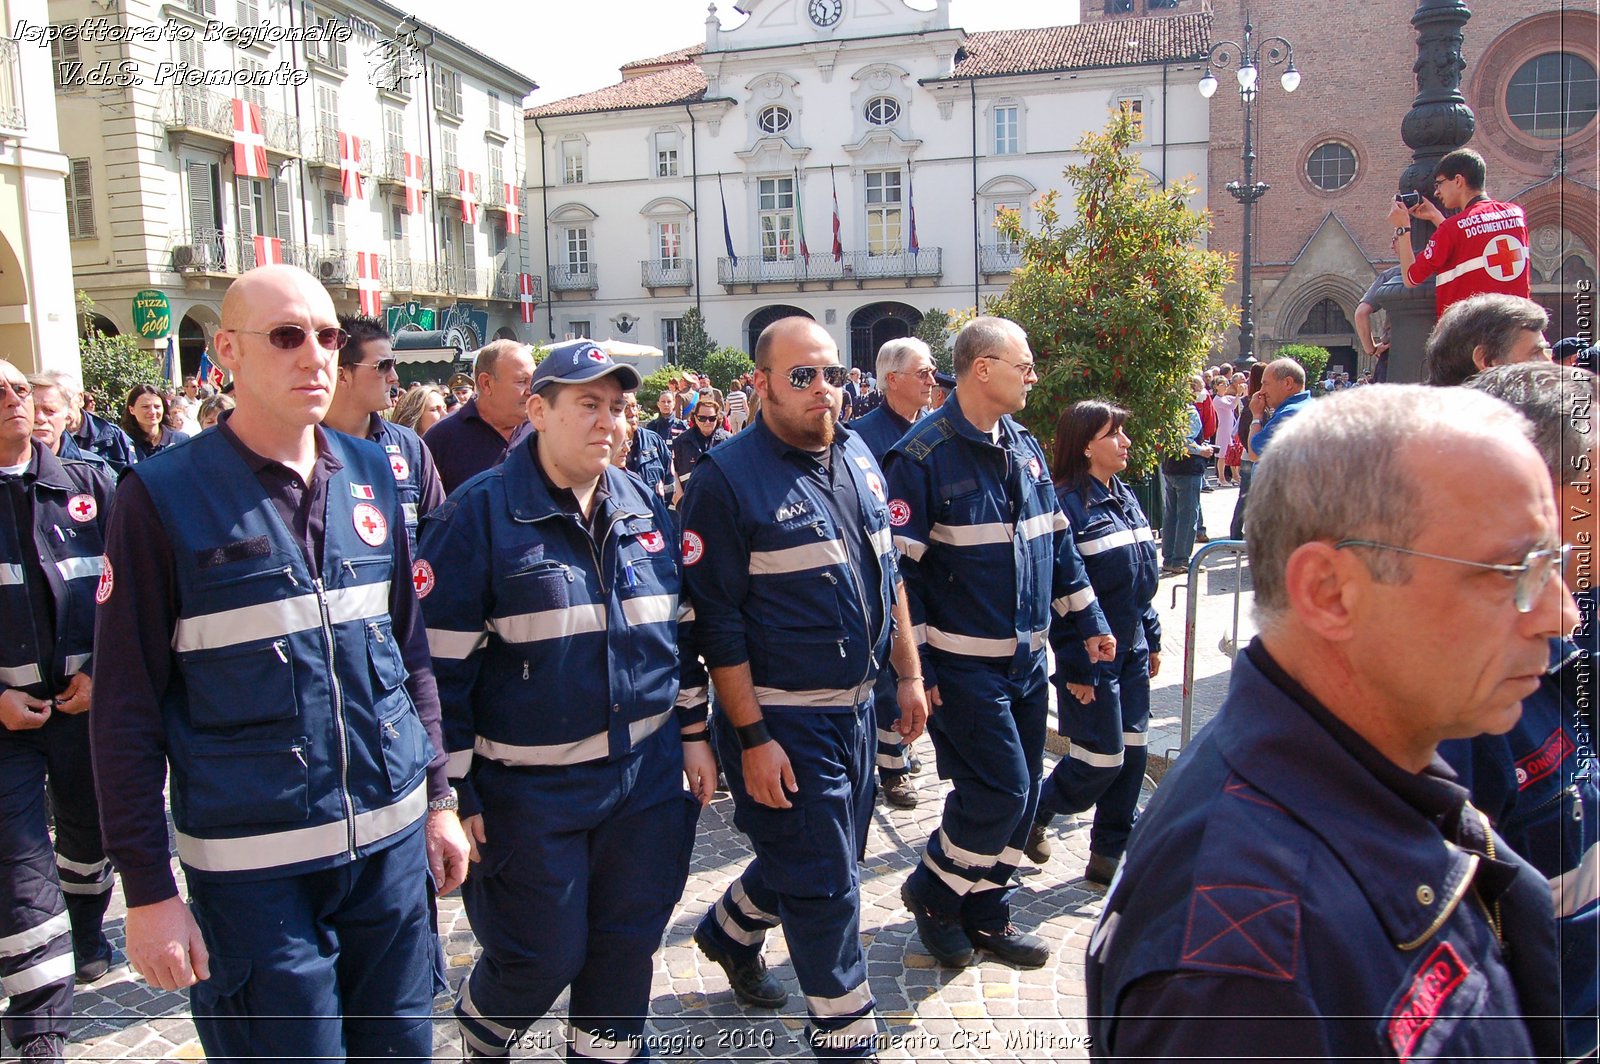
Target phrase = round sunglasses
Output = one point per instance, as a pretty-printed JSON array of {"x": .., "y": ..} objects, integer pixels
[{"x": 290, "y": 337}]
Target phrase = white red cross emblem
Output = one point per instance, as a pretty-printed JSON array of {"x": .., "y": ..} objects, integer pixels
[
  {"x": 401, "y": 467},
  {"x": 694, "y": 548},
  {"x": 371, "y": 525},
  {"x": 899, "y": 512},
  {"x": 82, "y": 508},
  {"x": 102, "y": 590},
  {"x": 1504, "y": 258},
  {"x": 652, "y": 541},
  {"x": 422, "y": 578}
]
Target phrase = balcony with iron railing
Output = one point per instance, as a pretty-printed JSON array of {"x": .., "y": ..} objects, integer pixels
[
  {"x": 666, "y": 273},
  {"x": 188, "y": 110},
  {"x": 574, "y": 277},
  {"x": 996, "y": 259},
  {"x": 447, "y": 182},
  {"x": 321, "y": 149},
  {"x": 857, "y": 266},
  {"x": 492, "y": 194},
  {"x": 214, "y": 251},
  {"x": 13, "y": 118},
  {"x": 505, "y": 287},
  {"x": 391, "y": 168}
]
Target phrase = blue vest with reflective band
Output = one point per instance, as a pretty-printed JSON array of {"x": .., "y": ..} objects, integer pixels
[
  {"x": 71, "y": 504},
  {"x": 651, "y": 458},
  {"x": 293, "y": 742},
  {"x": 807, "y": 609},
  {"x": 549, "y": 650},
  {"x": 880, "y": 430},
  {"x": 404, "y": 449}
]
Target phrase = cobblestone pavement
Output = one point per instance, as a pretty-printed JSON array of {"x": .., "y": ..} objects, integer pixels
[{"x": 989, "y": 1011}]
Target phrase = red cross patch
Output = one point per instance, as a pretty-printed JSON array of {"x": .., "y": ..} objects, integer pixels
[
  {"x": 422, "y": 578},
  {"x": 82, "y": 508},
  {"x": 1504, "y": 258},
  {"x": 371, "y": 525},
  {"x": 899, "y": 512},
  {"x": 652, "y": 541},
  {"x": 1033, "y": 468},
  {"x": 102, "y": 590},
  {"x": 401, "y": 467},
  {"x": 875, "y": 483},
  {"x": 694, "y": 548},
  {"x": 597, "y": 355}
]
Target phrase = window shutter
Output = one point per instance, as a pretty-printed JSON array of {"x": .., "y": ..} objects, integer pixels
[
  {"x": 247, "y": 214},
  {"x": 203, "y": 221},
  {"x": 285, "y": 225}
]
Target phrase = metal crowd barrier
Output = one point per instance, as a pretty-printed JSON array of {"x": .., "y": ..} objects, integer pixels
[{"x": 1222, "y": 548}]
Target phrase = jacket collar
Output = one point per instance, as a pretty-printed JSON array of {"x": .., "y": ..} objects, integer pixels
[
  {"x": 1391, "y": 848},
  {"x": 46, "y": 470},
  {"x": 529, "y": 499},
  {"x": 958, "y": 419}
]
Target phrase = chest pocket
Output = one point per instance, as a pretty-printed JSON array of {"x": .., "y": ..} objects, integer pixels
[
  {"x": 546, "y": 585},
  {"x": 247, "y": 682}
]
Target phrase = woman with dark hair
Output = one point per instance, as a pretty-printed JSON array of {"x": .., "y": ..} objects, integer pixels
[
  {"x": 144, "y": 419},
  {"x": 1104, "y": 707}
]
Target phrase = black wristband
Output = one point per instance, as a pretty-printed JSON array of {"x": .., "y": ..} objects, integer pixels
[
  {"x": 753, "y": 735},
  {"x": 701, "y": 736}
]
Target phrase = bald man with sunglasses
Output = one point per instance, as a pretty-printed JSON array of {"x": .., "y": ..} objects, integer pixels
[{"x": 261, "y": 639}]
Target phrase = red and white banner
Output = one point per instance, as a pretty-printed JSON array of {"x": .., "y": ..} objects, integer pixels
[
  {"x": 249, "y": 141},
  {"x": 369, "y": 290},
  {"x": 269, "y": 249},
  {"x": 525, "y": 296},
  {"x": 469, "y": 196},
  {"x": 350, "y": 165},
  {"x": 413, "y": 183},
  {"x": 513, "y": 209}
]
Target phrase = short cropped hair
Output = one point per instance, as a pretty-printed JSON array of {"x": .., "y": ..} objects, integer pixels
[
  {"x": 1287, "y": 369},
  {"x": 893, "y": 356},
  {"x": 489, "y": 354},
  {"x": 1559, "y": 401},
  {"x": 1492, "y": 320},
  {"x": 1463, "y": 162},
  {"x": 980, "y": 337},
  {"x": 1338, "y": 471},
  {"x": 359, "y": 328}
]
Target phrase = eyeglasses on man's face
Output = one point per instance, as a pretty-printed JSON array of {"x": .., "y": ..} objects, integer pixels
[
  {"x": 290, "y": 337},
  {"x": 706, "y": 419},
  {"x": 1530, "y": 575},
  {"x": 383, "y": 365},
  {"x": 1027, "y": 369}
]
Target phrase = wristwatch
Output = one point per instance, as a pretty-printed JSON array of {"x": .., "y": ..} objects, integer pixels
[{"x": 449, "y": 801}]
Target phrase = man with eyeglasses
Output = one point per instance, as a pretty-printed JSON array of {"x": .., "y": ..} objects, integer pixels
[
  {"x": 259, "y": 634},
  {"x": 705, "y": 432},
  {"x": 367, "y": 383},
  {"x": 476, "y": 436},
  {"x": 1312, "y": 879},
  {"x": 988, "y": 560},
  {"x": 53, "y": 515},
  {"x": 789, "y": 567},
  {"x": 1481, "y": 247},
  {"x": 905, "y": 371}
]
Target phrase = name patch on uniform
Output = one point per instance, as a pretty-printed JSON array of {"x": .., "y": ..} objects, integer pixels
[
  {"x": 361, "y": 491},
  {"x": 402, "y": 468},
  {"x": 102, "y": 590},
  {"x": 82, "y": 508},
  {"x": 1545, "y": 760},
  {"x": 371, "y": 525},
  {"x": 694, "y": 548},
  {"x": 422, "y": 578},
  {"x": 790, "y": 510},
  {"x": 652, "y": 541},
  {"x": 864, "y": 463},
  {"x": 1431, "y": 987},
  {"x": 243, "y": 550},
  {"x": 899, "y": 512}
]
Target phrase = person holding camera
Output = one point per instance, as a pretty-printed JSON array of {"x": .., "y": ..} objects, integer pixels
[{"x": 1482, "y": 247}]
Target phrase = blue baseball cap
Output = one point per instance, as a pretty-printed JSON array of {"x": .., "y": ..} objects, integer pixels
[{"x": 578, "y": 362}]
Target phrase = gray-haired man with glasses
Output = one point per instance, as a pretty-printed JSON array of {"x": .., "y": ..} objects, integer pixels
[{"x": 1312, "y": 876}]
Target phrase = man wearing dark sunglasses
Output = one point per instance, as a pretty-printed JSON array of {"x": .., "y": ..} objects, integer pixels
[
  {"x": 705, "y": 432},
  {"x": 366, "y": 383},
  {"x": 257, "y": 599},
  {"x": 789, "y": 564}
]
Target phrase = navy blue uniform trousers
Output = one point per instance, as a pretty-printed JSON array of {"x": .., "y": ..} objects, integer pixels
[
  {"x": 988, "y": 736},
  {"x": 891, "y": 748},
  {"x": 1105, "y": 761},
  {"x": 38, "y": 922},
  {"x": 339, "y": 963},
  {"x": 579, "y": 875},
  {"x": 806, "y": 872}
]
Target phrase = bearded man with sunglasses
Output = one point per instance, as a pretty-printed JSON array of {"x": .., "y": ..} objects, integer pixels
[
  {"x": 258, "y": 633},
  {"x": 789, "y": 566},
  {"x": 367, "y": 384}
]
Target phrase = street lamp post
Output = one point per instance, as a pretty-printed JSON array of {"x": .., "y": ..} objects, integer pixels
[{"x": 1246, "y": 58}]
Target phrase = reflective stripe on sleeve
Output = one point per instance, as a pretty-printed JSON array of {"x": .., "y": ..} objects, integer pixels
[
  {"x": 10, "y": 574},
  {"x": 78, "y": 568},
  {"x": 1040, "y": 525},
  {"x": 1126, "y": 537},
  {"x": 591, "y": 748},
  {"x": 911, "y": 548},
  {"x": 458, "y": 764},
  {"x": 76, "y": 662},
  {"x": 34, "y": 937},
  {"x": 269, "y": 620},
  {"x": 455, "y": 646},
  {"x": 1578, "y": 888},
  {"x": 550, "y": 624},
  {"x": 20, "y": 675},
  {"x": 409, "y": 509},
  {"x": 281, "y": 848},
  {"x": 1081, "y": 599},
  {"x": 843, "y": 1005}
]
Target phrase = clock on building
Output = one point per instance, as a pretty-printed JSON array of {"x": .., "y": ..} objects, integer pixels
[{"x": 825, "y": 12}]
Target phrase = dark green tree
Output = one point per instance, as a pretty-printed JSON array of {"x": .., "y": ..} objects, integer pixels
[
  {"x": 695, "y": 345},
  {"x": 934, "y": 330},
  {"x": 112, "y": 365},
  {"x": 727, "y": 365},
  {"x": 1120, "y": 304}
]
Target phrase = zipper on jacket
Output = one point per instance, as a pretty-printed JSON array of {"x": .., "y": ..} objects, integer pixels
[{"x": 339, "y": 723}]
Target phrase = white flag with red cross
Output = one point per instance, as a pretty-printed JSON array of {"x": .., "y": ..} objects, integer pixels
[
  {"x": 369, "y": 289},
  {"x": 513, "y": 209},
  {"x": 350, "y": 165},
  {"x": 469, "y": 196},
  {"x": 525, "y": 295},
  {"x": 249, "y": 140},
  {"x": 413, "y": 183},
  {"x": 269, "y": 249}
]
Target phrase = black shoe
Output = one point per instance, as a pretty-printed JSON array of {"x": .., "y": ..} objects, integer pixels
[
  {"x": 900, "y": 792},
  {"x": 1013, "y": 946},
  {"x": 750, "y": 980},
  {"x": 1038, "y": 845},
  {"x": 95, "y": 967},
  {"x": 1101, "y": 869},
  {"x": 941, "y": 935},
  {"x": 42, "y": 1047}
]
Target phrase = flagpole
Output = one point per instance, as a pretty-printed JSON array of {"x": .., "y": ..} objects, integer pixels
[{"x": 727, "y": 233}]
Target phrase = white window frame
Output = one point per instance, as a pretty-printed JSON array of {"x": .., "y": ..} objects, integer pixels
[
  {"x": 1002, "y": 242},
  {"x": 446, "y": 91},
  {"x": 671, "y": 338},
  {"x": 884, "y": 199},
  {"x": 880, "y": 104},
  {"x": 775, "y": 211},
  {"x": 575, "y": 243},
  {"x": 669, "y": 244},
  {"x": 666, "y": 144},
  {"x": 1139, "y": 105},
  {"x": 773, "y": 129},
  {"x": 1007, "y": 129},
  {"x": 572, "y": 162},
  {"x": 581, "y": 328}
]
